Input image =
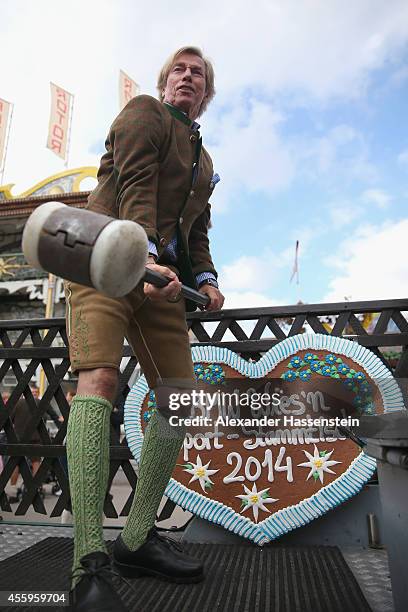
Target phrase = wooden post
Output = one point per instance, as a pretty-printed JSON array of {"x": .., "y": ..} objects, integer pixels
[{"x": 49, "y": 313}]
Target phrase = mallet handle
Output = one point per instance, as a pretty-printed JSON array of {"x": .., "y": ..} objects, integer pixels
[{"x": 158, "y": 280}]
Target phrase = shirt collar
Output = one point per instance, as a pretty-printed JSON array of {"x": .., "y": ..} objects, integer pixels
[{"x": 182, "y": 116}]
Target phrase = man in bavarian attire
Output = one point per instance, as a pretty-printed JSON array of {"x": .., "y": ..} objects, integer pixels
[{"x": 155, "y": 172}]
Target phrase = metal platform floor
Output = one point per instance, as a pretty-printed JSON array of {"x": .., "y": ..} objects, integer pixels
[{"x": 370, "y": 567}]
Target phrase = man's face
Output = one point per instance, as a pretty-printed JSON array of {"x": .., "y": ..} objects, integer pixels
[
  {"x": 186, "y": 85},
  {"x": 36, "y": 392}
]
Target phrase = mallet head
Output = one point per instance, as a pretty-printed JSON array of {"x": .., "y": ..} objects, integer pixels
[{"x": 86, "y": 247}]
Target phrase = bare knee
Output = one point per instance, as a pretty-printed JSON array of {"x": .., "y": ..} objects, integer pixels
[{"x": 99, "y": 381}]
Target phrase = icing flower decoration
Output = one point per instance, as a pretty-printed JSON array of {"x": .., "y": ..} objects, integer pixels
[
  {"x": 290, "y": 375},
  {"x": 365, "y": 388},
  {"x": 349, "y": 383},
  {"x": 359, "y": 376},
  {"x": 147, "y": 415},
  {"x": 318, "y": 463},
  {"x": 201, "y": 473},
  {"x": 326, "y": 370},
  {"x": 211, "y": 373},
  {"x": 369, "y": 408},
  {"x": 331, "y": 359},
  {"x": 315, "y": 366},
  {"x": 358, "y": 401},
  {"x": 343, "y": 368},
  {"x": 296, "y": 361},
  {"x": 305, "y": 375},
  {"x": 151, "y": 407},
  {"x": 256, "y": 500},
  {"x": 199, "y": 371},
  {"x": 309, "y": 357}
]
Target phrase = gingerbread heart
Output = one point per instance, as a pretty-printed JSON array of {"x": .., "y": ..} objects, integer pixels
[{"x": 262, "y": 487}]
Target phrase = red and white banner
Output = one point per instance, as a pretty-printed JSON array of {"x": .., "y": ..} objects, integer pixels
[
  {"x": 60, "y": 118},
  {"x": 5, "y": 112},
  {"x": 128, "y": 89}
]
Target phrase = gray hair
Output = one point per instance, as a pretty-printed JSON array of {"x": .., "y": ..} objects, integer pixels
[{"x": 209, "y": 75}]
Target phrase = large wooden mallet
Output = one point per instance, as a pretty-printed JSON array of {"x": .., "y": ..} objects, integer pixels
[{"x": 92, "y": 249}]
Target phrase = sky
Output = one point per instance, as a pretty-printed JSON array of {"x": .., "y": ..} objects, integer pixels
[{"x": 308, "y": 129}]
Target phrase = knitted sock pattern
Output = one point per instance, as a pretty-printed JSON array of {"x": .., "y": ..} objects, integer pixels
[
  {"x": 161, "y": 446},
  {"x": 88, "y": 468}
]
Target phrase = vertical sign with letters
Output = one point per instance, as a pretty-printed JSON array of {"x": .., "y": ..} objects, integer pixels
[
  {"x": 60, "y": 117},
  {"x": 128, "y": 89},
  {"x": 5, "y": 109}
]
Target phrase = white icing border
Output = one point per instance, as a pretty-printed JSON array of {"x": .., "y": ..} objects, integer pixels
[{"x": 329, "y": 496}]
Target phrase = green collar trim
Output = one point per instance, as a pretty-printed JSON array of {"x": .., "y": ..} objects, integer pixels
[{"x": 178, "y": 114}]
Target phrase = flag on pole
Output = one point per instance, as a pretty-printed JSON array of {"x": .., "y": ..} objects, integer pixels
[
  {"x": 295, "y": 271},
  {"x": 128, "y": 89},
  {"x": 60, "y": 119},
  {"x": 5, "y": 111}
]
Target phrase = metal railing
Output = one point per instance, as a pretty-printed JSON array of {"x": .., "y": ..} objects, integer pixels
[{"x": 249, "y": 332}]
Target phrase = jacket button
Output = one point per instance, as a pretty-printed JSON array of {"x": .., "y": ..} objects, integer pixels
[
  {"x": 192, "y": 193},
  {"x": 193, "y": 138},
  {"x": 162, "y": 242},
  {"x": 181, "y": 220}
]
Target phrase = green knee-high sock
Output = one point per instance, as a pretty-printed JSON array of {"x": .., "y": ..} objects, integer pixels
[
  {"x": 161, "y": 446},
  {"x": 88, "y": 468}
]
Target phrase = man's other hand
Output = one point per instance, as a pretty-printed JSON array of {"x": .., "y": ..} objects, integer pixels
[{"x": 215, "y": 295}]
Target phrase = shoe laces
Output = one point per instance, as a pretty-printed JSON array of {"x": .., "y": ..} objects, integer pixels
[
  {"x": 105, "y": 572},
  {"x": 169, "y": 542}
]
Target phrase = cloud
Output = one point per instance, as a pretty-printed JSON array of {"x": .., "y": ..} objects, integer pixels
[
  {"x": 262, "y": 273},
  {"x": 255, "y": 158},
  {"x": 248, "y": 299},
  {"x": 244, "y": 273},
  {"x": 339, "y": 155},
  {"x": 286, "y": 47},
  {"x": 342, "y": 213},
  {"x": 378, "y": 197},
  {"x": 253, "y": 281},
  {"x": 325, "y": 51},
  {"x": 327, "y": 148},
  {"x": 400, "y": 76},
  {"x": 403, "y": 157},
  {"x": 248, "y": 150},
  {"x": 371, "y": 265}
]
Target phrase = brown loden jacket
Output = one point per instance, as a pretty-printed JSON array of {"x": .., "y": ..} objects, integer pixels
[{"x": 146, "y": 176}]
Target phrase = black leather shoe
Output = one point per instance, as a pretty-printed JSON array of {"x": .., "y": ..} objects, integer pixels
[
  {"x": 158, "y": 556},
  {"x": 94, "y": 592}
]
